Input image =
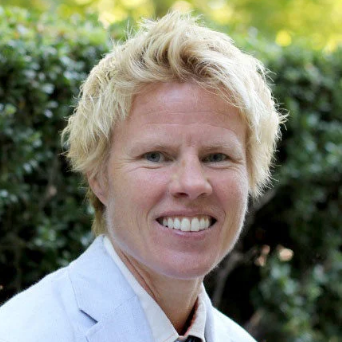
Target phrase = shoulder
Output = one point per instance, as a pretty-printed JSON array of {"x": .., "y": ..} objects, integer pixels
[
  {"x": 39, "y": 312},
  {"x": 49, "y": 311},
  {"x": 66, "y": 304},
  {"x": 227, "y": 330}
]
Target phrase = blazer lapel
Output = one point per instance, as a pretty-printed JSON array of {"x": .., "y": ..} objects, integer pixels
[
  {"x": 103, "y": 295},
  {"x": 126, "y": 324}
]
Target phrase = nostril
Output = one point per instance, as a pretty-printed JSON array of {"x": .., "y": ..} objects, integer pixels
[{"x": 190, "y": 187}]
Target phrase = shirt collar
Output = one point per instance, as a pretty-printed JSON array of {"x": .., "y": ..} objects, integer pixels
[{"x": 161, "y": 327}]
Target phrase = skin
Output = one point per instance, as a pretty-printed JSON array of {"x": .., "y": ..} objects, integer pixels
[{"x": 181, "y": 152}]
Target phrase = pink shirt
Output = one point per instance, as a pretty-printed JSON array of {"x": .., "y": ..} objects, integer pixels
[{"x": 162, "y": 328}]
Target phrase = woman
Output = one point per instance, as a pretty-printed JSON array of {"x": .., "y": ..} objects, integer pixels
[{"x": 173, "y": 131}]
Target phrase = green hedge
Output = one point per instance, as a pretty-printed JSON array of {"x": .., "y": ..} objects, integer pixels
[{"x": 45, "y": 223}]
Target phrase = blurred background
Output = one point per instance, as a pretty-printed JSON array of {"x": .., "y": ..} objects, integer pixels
[
  {"x": 314, "y": 22},
  {"x": 283, "y": 281}
]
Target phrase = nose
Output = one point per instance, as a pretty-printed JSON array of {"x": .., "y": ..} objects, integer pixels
[{"x": 189, "y": 180}]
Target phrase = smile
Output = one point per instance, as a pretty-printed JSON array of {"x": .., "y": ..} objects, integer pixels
[{"x": 187, "y": 224}]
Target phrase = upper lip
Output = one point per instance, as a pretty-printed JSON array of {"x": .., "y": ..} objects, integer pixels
[{"x": 185, "y": 213}]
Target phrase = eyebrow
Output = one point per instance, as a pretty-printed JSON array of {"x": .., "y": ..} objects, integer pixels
[
  {"x": 140, "y": 146},
  {"x": 233, "y": 147}
]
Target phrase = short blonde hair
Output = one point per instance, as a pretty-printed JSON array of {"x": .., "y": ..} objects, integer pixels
[{"x": 175, "y": 48}]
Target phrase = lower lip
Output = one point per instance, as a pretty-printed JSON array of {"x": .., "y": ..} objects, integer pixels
[{"x": 187, "y": 234}]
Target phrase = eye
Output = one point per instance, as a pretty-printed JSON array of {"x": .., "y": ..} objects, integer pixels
[
  {"x": 154, "y": 157},
  {"x": 215, "y": 158}
]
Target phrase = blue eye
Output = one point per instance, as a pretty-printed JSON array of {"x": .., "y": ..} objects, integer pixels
[
  {"x": 215, "y": 158},
  {"x": 154, "y": 157}
]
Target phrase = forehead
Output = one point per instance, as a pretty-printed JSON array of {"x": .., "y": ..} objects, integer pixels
[
  {"x": 172, "y": 106},
  {"x": 185, "y": 102}
]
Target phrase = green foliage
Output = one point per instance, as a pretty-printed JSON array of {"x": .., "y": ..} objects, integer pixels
[
  {"x": 315, "y": 22},
  {"x": 42, "y": 63},
  {"x": 305, "y": 295},
  {"x": 45, "y": 223}
]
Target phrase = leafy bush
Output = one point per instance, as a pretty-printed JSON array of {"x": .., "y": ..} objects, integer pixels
[
  {"x": 283, "y": 279},
  {"x": 42, "y": 63},
  {"x": 302, "y": 298}
]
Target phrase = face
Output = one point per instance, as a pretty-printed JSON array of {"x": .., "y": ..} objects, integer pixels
[{"x": 175, "y": 186}]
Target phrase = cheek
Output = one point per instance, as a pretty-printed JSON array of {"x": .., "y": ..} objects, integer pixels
[
  {"x": 138, "y": 187},
  {"x": 232, "y": 189},
  {"x": 233, "y": 195},
  {"x": 234, "y": 199}
]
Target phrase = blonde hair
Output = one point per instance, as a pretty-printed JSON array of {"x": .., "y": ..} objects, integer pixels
[{"x": 174, "y": 48}]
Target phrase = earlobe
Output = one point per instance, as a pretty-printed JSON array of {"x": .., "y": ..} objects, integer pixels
[{"x": 99, "y": 188}]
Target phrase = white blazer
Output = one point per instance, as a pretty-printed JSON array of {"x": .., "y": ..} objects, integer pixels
[{"x": 91, "y": 301}]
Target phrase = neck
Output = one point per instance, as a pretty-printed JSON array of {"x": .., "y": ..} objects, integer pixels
[{"x": 176, "y": 297}]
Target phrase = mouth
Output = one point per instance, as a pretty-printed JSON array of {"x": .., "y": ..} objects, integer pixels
[{"x": 187, "y": 224}]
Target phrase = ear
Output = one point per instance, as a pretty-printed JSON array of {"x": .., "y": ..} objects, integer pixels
[{"x": 98, "y": 185}]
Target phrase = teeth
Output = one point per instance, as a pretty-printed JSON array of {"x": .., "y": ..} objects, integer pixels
[
  {"x": 186, "y": 224},
  {"x": 195, "y": 225},
  {"x": 203, "y": 223},
  {"x": 170, "y": 223},
  {"x": 177, "y": 223}
]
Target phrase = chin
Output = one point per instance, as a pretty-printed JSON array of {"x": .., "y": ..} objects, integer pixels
[{"x": 186, "y": 268}]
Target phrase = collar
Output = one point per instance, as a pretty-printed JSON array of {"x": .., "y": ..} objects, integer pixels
[{"x": 112, "y": 310}]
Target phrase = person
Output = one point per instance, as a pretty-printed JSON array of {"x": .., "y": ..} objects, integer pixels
[{"x": 173, "y": 131}]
